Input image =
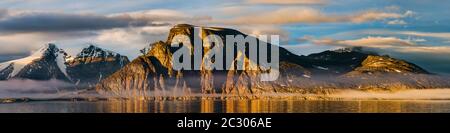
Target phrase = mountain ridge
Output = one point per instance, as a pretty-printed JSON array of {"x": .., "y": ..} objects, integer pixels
[
  {"x": 49, "y": 57},
  {"x": 327, "y": 70}
]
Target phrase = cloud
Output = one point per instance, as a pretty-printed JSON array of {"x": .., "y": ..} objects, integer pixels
[
  {"x": 312, "y": 16},
  {"x": 22, "y": 31},
  {"x": 397, "y": 22},
  {"x": 131, "y": 40},
  {"x": 442, "y": 35},
  {"x": 39, "y": 21},
  {"x": 371, "y": 16},
  {"x": 3, "y": 12},
  {"x": 159, "y": 15},
  {"x": 409, "y": 13},
  {"x": 45, "y": 22},
  {"x": 373, "y": 42},
  {"x": 256, "y": 30},
  {"x": 288, "y": 2},
  {"x": 380, "y": 42},
  {"x": 31, "y": 88},
  {"x": 25, "y": 43},
  {"x": 439, "y": 35}
]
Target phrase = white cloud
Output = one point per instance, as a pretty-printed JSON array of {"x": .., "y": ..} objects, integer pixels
[
  {"x": 409, "y": 13},
  {"x": 25, "y": 43},
  {"x": 375, "y": 42},
  {"x": 397, "y": 22},
  {"x": 130, "y": 40}
]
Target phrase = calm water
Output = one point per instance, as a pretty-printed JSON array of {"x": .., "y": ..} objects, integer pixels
[{"x": 228, "y": 106}]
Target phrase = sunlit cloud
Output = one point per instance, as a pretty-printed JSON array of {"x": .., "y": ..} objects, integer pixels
[
  {"x": 377, "y": 42},
  {"x": 438, "y": 35},
  {"x": 313, "y": 16}
]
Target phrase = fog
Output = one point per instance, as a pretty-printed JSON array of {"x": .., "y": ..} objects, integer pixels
[
  {"x": 17, "y": 88},
  {"x": 57, "y": 89}
]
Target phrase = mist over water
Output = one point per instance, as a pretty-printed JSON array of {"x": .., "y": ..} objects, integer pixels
[
  {"x": 18, "y": 88},
  {"x": 346, "y": 100}
]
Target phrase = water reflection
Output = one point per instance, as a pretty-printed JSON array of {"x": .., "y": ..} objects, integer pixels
[{"x": 229, "y": 106}]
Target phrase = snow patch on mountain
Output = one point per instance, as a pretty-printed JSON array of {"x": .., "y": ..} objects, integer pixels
[
  {"x": 95, "y": 51},
  {"x": 320, "y": 67},
  {"x": 61, "y": 62}
]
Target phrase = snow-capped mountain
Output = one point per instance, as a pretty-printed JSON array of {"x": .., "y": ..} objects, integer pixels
[
  {"x": 94, "y": 63},
  {"x": 50, "y": 62},
  {"x": 46, "y": 63}
]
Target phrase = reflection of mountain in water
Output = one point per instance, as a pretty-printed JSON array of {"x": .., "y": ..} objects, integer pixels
[{"x": 229, "y": 106}]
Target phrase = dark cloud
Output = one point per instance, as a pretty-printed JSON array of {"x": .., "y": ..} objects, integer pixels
[
  {"x": 3, "y": 13},
  {"x": 29, "y": 21},
  {"x": 42, "y": 22}
]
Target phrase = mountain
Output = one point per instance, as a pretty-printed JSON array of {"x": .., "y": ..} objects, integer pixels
[
  {"x": 44, "y": 64},
  {"x": 93, "y": 64},
  {"x": 349, "y": 68},
  {"x": 50, "y": 62}
]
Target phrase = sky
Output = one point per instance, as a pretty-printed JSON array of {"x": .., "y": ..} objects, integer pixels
[{"x": 414, "y": 30}]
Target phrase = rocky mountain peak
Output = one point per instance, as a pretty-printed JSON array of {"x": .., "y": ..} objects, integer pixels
[
  {"x": 46, "y": 63},
  {"x": 385, "y": 64},
  {"x": 95, "y": 51},
  {"x": 50, "y": 49},
  {"x": 188, "y": 30},
  {"x": 94, "y": 63}
]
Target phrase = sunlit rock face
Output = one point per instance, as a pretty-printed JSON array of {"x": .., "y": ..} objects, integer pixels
[
  {"x": 93, "y": 64},
  {"x": 152, "y": 74}
]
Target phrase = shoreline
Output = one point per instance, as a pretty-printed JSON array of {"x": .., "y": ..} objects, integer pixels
[{"x": 339, "y": 95}]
